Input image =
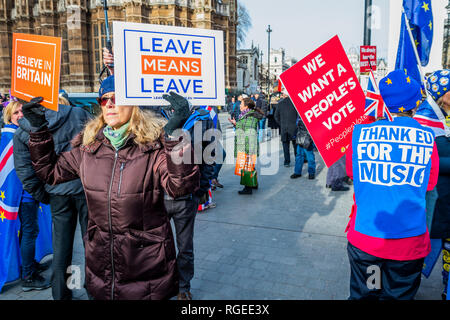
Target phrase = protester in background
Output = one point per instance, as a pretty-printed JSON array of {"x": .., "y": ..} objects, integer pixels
[
  {"x": 387, "y": 231},
  {"x": 67, "y": 200},
  {"x": 246, "y": 138},
  {"x": 184, "y": 209},
  {"x": 439, "y": 88},
  {"x": 28, "y": 209},
  {"x": 230, "y": 104},
  {"x": 286, "y": 116},
  {"x": 63, "y": 98},
  {"x": 271, "y": 109},
  {"x": 336, "y": 176},
  {"x": 237, "y": 106},
  {"x": 219, "y": 161},
  {"x": 305, "y": 150},
  {"x": 261, "y": 104}
]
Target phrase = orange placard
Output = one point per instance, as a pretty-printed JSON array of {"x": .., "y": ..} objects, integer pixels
[
  {"x": 244, "y": 162},
  {"x": 171, "y": 65},
  {"x": 36, "y": 62}
]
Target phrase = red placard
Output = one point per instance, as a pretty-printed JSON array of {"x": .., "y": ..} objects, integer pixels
[
  {"x": 328, "y": 97},
  {"x": 367, "y": 54}
]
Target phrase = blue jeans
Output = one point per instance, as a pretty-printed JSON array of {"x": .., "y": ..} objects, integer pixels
[
  {"x": 29, "y": 230},
  {"x": 262, "y": 126},
  {"x": 299, "y": 159}
]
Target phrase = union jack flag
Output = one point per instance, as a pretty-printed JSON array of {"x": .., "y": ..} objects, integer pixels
[
  {"x": 213, "y": 115},
  {"x": 375, "y": 106},
  {"x": 11, "y": 192},
  {"x": 10, "y": 195},
  {"x": 208, "y": 204},
  {"x": 428, "y": 116}
]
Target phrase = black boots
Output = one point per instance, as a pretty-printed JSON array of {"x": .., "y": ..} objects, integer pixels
[
  {"x": 246, "y": 190},
  {"x": 35, "y": 282}
]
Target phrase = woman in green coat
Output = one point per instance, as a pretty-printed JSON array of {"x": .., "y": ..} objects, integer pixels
[{"x": 246, "y": 137}]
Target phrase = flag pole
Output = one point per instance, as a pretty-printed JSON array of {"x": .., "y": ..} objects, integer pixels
[
  {"x": 433, "y": 105},
  {"x": 415, "y": 50}
]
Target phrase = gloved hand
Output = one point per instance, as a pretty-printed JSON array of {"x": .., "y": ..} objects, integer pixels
[
  {"x": 45, "y": 198},
  {"x": 33, "y": 111},
  {"x": 181, "y": 112}
]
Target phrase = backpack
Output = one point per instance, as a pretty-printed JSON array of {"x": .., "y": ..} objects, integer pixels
[{"x": 198, "y": 115}]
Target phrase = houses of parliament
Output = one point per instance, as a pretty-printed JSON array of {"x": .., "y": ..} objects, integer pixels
[{"x": 81, "y": 25}]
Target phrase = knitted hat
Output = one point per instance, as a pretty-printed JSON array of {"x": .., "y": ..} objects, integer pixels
[
  {"x": 106, "y": 86},
  {"x": 63, "y": 93},
  {"x": 400, "y": 92},
  {"x": 438, "y": 83}
]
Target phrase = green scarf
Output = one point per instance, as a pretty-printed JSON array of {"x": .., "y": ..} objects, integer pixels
[{"x": 117, "y": 137}]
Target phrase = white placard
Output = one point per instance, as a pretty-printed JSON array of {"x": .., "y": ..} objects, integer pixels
[{"x": 151, "y": 60}]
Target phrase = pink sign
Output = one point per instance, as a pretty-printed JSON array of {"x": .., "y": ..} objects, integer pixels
[{"x": 328, "y": 97}]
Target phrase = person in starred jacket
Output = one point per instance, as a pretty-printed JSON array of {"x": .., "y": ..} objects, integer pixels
[{"x": 393, "y": 164}]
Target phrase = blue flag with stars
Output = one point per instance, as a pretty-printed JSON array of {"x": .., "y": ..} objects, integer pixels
[
  {"x": 406, "y": 58},
  {"x": 420, "y": 20},
  {"x": 420, "y": 17},
  {"x": 11, "y": 192}
]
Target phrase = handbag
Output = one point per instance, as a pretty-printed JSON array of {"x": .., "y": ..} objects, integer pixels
[
  {"x": 244, "y": 162},
  {"x": 249, "y": 178},
  {"x": 303, "y": 140}
]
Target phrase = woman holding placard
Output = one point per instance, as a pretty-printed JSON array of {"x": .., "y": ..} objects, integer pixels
[{"x": 124, "y": 159}]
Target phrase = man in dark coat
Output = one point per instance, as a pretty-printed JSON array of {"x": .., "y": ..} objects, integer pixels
[
  {"x": 286, "y": 116},
  {"x": 262, "y": 105},
  {"x": 305, "y": 150},
  {"x": 67, "y": 200},
  {"x": 184, "y": 209}
]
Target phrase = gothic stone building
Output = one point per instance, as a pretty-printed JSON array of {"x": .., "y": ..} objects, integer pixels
[{"x": 81, "y": 25}]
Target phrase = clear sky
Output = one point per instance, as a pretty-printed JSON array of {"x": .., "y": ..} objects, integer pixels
[{"x": 300, "y": 26}]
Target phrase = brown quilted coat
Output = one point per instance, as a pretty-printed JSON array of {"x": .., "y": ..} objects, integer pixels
[{"x": 130, "y": 252}]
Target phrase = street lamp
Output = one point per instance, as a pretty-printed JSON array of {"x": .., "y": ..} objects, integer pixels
[
  {"x": 268, "y": 59},
  {"x": 367, "y": 21},
  {"x": 261, "y": 73}
]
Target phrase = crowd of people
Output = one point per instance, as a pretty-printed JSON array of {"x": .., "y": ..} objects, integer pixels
[{"x": 115, "y": 174}]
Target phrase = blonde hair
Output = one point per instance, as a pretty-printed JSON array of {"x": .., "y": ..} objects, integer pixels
[
  {"x": 143, "y": 124},
  {"x": 9, "y": 110},
  {"x": 63, "y": 101},
  {"x": 440, "y": 102}
]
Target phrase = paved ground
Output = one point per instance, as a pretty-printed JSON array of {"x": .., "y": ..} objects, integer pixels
[{"x": 286, "y": 241}]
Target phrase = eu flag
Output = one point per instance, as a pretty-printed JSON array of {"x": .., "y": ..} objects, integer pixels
[
  {"x": 406, "y": 58},
  {"x": 420, "y": 17},
  {"x": 420, "y": 20},
  {"x": 44, "y": 245},
  {"x": 11, "y": 191},
  {"x": 10, "y": 197}
]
